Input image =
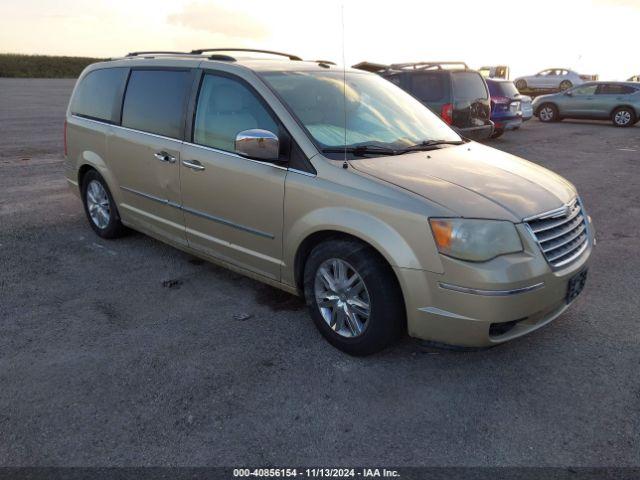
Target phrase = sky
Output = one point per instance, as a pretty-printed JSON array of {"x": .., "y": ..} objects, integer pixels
[{"x": 528, "y": 35}]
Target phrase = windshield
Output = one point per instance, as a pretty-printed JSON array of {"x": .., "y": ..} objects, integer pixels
[{"x": 377, "y": 112}]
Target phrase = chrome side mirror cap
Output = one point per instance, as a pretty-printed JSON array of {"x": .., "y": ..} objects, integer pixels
[{"x": 258, "y": 144}]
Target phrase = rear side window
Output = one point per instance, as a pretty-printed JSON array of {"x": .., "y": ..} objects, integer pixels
[
  {"x": 468, "y": 86},
  {"x": 225, "y": 108},
  {"x": 502, "y": 89},
  {"x": 613, "y": 89},
  {"x": 429, "y": 87},
  {"x": 98, "y": 94},
  {"x": 155, "y": 101}
]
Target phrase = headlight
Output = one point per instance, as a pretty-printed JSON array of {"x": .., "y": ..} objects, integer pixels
[{"x": 475, "y": 240}]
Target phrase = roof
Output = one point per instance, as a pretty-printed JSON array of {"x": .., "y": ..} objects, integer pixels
[
  {"x": 411, "y": 67},
  {"x": 257, "y": 60},
  {"x": 609, "y": 82}
]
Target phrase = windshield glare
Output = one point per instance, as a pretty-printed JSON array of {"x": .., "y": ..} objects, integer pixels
[{"x": 377, "y": 112}]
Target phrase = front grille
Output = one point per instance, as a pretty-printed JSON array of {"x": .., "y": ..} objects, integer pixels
[{"x": 562, "y": 236}]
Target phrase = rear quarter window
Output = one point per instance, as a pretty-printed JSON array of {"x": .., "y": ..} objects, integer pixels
[
  {"x": 430, "y": 87},
  {"x": 98, "y": 94},
  {"x": 468, "y": 86},
  {"x": 155, "y": 101},
  {"x": 614, "y": 89}
]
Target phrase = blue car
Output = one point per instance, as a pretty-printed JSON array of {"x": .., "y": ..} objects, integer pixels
[{"x": 505, "y": 106}]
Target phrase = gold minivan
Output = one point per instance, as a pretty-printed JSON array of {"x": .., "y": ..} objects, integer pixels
[{"x": 332, "y": 184}]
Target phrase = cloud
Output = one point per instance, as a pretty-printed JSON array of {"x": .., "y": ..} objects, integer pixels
[{"x": 219, "y": 20}]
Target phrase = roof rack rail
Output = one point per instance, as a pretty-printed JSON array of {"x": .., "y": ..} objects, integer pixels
[
  {"x": 156, "y": 52},
  {"x": 200, "y": 51},
  {"x": 327, "y": 62},
  {"x": 371, "y": 67},
  {"x": 425, "y": 65}
]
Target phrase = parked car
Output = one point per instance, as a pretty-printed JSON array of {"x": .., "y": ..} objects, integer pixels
[
  {"x": 451, "y": 90},
  {"x": 498, "y": 71},
  {"x": 526, "y": 107},
  {"x": 617, "y": 101},
  {"x": 505, "y": 106},
  {"x": 386, "y": 221},
  {"x": 556, "y": 79},
  {"x": 635, "y": 78}
]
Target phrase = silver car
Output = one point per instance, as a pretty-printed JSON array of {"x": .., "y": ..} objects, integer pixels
[{"x": 552, "y": 79}]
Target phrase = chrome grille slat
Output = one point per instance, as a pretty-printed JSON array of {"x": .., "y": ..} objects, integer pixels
[
  {"x": 577, "y": 242},
  {"x": 561, "y": 238},
  {"x": 575, "y": 255},
  {"x": 563, "y": 229},
  {"x": 566, "y": 239},
  {"x": 556, "y": 223}
]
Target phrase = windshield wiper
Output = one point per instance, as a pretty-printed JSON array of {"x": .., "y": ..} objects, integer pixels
[
  {"x": 363, "y": 150},
  {"x": 431, "y": 144}
]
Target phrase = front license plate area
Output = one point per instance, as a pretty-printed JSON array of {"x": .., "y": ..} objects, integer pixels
[{"x": 575, "y": 285}]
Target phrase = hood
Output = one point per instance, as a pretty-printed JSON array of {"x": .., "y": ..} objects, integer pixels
[
  {"x": 474, "y": 181},
  {"x": 541, "y": 98}
]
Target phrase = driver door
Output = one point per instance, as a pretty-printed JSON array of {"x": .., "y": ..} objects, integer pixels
[
  {"x": 537, "y": 81},
  {"x": 233, "y": 206},
  {"x": 551, "y": 79},
  {"x": 582, "y": 101}
]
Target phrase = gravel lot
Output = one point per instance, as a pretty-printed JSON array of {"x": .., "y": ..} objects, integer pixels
[{"x": 101, "y": 363}]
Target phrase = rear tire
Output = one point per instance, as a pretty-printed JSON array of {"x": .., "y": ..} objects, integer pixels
[
  {"x": 100, "y": 207},
  {"x": 565, "y": 85},
  {"x": 346, "y": 279},
  {"x": 521, "y": 85},
  {"x": 497, "y": 133},
  {"x": 548, "y": 112},
  {"x": 623, "y": 117}
]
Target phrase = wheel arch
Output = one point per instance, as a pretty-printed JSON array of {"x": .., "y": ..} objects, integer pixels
[
  {"x": 624, "y": 105},
  {"x": 553, "y": 104},
  {"x": 82, "y": 171},
  {"x": 316, "y": 238},
  {"x": 417, "y": 251},
  {"x": 92, "y": 161}
]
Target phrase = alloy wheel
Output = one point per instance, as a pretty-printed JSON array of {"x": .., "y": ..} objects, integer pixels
[
  {"x": 98, "y": 204},
  {"x": 622, "y": 117},
  {"x": 546, "y": 114},
  {"x": 342, "y": 297}
]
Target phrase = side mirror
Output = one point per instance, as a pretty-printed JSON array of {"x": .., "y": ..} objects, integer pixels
[{"x": 258, "y": 144}]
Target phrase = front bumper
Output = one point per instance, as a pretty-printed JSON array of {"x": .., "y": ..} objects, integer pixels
[{"x": 495, "y": 301}]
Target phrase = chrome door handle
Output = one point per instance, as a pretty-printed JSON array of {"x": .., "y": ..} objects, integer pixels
[
  {"x": 165, "y": 157},
  {"x": 193, "y": 165}
]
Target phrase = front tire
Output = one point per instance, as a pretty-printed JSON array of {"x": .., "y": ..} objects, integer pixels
[
  {"x": 100, "y": 207},
  {"x": 521, "y": 85},
  {"x": 497, "y": 133},
  {"x": 623, "y": 117},
  {"x": 353, "y": 296},
  {"x": 548, "y": 113}
]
